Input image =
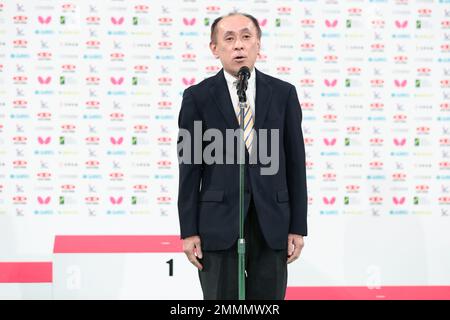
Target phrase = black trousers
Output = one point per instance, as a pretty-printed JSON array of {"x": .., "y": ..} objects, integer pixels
[{"x": 266, "y": 269}]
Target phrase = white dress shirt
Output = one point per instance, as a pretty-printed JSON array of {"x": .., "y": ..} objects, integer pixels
[{"x": 250, "y": 93}]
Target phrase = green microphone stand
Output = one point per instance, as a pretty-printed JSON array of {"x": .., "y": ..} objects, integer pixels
[{"x": 241, "y": 240}]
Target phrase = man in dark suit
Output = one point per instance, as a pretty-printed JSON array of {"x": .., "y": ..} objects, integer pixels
[{"x": 208, "y": 197}]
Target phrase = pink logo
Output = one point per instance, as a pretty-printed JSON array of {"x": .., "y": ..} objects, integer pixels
[
  {"x": 188, "y": 82},
  {"x": 331, "y": 83},
  {"x": 331, "y": 142},
  {"x": 44, "y": 141},
  {"x": 188, "y": 22},
  {"x": 332, "y": 200},
  {"x": 399, "y": 142},
  {"x": 331, "y": 24},
  {"x": 114, "y": 141},
  {"x": 398, "y": 200},
  {"x": 43, "y": 20},
  {"x": 43, "y": 201},
  {"x": 44, "y": 81},
  {"x": 262, "y": 22},
  {"x": 116, "y": 201},
  {"x": 400, "y": 84},
  {"x": 117, "y": 21},
  {"x": 118, "y": 81},
  {"x": 401, "y": 25}
]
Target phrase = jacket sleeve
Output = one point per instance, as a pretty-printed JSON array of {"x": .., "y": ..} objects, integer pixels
[
  {"x": 295, "y": 165},
  {"x": 189, "y": 173}
]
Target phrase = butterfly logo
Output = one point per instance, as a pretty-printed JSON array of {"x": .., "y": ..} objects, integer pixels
[
  {"x": 330, "y": 83},
  {"x": 262, "y": 22},
  {"x": 118, "y": 81},
  {"x": 114, "y": 141},
  {"x": 43, "y": 201},
  {"x": 44, "y": 141},
  {"x": 398, "y": 201},
  {"x": 331, "y": 24},
  {"x": 188, "y": 22},
  {"x": 331, "y": 142},
  {"x": 399, "y": 142},
  {"x": 332, "y": 200},
  {"x": 188, "y": 82},
  {"x": 116, "y": 201},
  {"x": 43, "y": 20},
  {"x": 44, "y": 81},
  {"x": 401, "y": 25},
  {"x": 400, "y": 84},
  {"x": 117, "y": 21}
]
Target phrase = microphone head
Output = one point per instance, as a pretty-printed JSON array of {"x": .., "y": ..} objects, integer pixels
[{"x": 244, "y": 72}]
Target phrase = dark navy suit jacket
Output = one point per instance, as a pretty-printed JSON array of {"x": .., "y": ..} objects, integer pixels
[{"x": 208, "y": 194}]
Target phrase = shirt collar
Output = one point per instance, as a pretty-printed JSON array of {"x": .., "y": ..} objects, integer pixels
[{"x": 231, "y": 79}]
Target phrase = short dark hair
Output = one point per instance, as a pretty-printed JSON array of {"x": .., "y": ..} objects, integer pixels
[{"x": 214, "y": 25}]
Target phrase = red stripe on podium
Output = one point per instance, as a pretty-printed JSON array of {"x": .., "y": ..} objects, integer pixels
[
  {"x": 26, "y": 272},
  {"x": 364, "y": 293},
  {"x": 117, "y": 244}
]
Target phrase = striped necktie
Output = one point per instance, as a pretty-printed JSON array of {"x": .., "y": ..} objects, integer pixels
[
  {"x": 248, "y": 125},
  {"x": 248, "y": 122}
]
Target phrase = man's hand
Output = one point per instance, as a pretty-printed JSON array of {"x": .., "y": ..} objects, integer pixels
[
  {"x": 192, "y": 249},
  {"x": 295, "y": 245}
]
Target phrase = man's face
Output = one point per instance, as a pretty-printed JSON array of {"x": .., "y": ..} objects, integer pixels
[{"x": 237, "y": 43}]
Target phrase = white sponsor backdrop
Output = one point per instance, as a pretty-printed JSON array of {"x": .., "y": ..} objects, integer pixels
[{"x": 89, "y": 99}]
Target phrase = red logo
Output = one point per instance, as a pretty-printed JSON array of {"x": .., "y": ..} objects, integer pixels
[
  {"x": 92, "y": 20},
  {"x": 329, "y": 142},
  {"x": 140, "y": 68},
  {"x": 352, "y": 188},
  {"x": 398, "y": 201},
  {"x": 354, "y": 10},
  {"x": 44, "y": 80},
  {"x": 117, "y": 81},
  {"x": 140, "y": 127},
  {"x": 116, "y": 200},
  {"x": 211, "y": 9},
  {"x": 141, "y": 8},
  {"x": 116, "y": 141},
  {"x": 401, "y": 24},
  {"x": 329, "y": 201},
  {"x": 45, "y": 20},
  {"x": 68, "y": 187},
  {"x": 330, "y": 83},
  {"x": 284, "y": 10},
  {"x": 400, "y": 84},
  {"x": 353, "y": 129},
  {"x": 188, "y": 82},
  {"x": 331, "y": 24},
  {"x": 165, "y": 20},
  {"x": 44, "y": 200},
  {"x": 422, "y": 188},
  {"x": 189, "y": 22},
  {"x": 44, "y": 141},
  {"x": 92, "y": 163},
  {"x": 399, "y": 142},
  {"x": 20, "y": 19},
  {"x": 116, "y": 115},
  {"x": 117, "y": 21}
]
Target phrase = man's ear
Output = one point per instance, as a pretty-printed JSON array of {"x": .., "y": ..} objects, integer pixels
[{"x": 213, "y": 48}]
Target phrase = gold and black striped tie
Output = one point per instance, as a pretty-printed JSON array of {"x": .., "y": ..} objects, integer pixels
[{"x": 248, "y": 125}]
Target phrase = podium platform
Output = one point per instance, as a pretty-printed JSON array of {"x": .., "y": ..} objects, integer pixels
[
  {"x": 25, "y": 280},
  {"x": 123, "y": 267}
]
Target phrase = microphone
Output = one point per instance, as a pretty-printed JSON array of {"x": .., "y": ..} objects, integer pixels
[{"x": 243, "y": 76}]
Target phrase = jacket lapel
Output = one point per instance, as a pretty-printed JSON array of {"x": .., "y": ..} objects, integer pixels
[{"x": 221, "y": 96}]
